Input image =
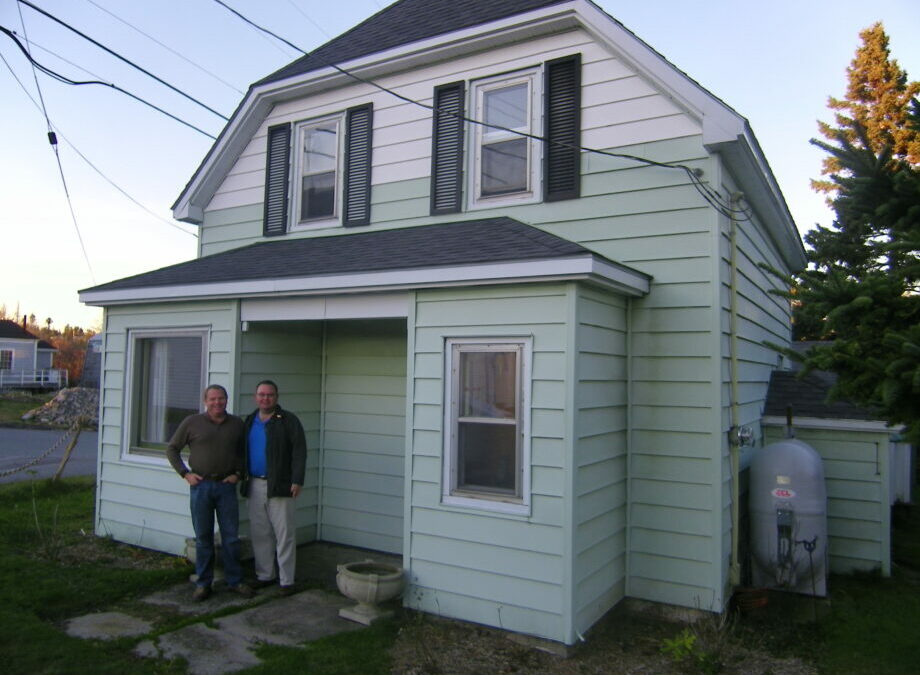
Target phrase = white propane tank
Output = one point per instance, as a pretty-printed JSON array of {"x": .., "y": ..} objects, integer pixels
[{"x": 788, "y": 508}]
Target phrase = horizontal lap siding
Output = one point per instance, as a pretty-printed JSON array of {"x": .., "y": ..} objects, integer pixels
[
  {"x": 290, "y": 354},
  {"x": 858, "y": 512},
  {"x": 364, "y": 438},
  {"x": 599, "y": 510},
  {"x": 140, "y": 499},
  {"x": 503, "y": 570}
]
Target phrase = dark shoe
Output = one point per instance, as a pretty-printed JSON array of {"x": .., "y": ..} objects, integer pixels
[
  {"x": 243, "y": 590},
  {"x": 201, "y": 593},
  {"x": 263, "y": 583},
  {"x": 285, "y": 591}
]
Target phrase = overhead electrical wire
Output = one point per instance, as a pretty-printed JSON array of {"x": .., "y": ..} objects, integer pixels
[
  {"x": 66, "y": 80},
  {"x": 87, "y": 160},
  {"x": 711, "y": 196},
  {"x": 52, "y": 139},
  {"x": 166, "y": 47},
  {"x": 122, "y": 58}
]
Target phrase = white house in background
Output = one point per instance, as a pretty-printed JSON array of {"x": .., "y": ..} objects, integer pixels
[
  {"x": 26, "y": 360},
  {"x": 520, "y": 349}
]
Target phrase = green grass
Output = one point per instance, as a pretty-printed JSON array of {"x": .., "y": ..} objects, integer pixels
[{"x": 14, "y": 405}]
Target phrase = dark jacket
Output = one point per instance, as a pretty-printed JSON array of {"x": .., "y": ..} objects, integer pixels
[{"x": 285, "y": 452}]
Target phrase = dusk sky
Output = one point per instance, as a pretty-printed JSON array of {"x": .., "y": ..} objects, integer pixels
[{"x": 775, "y": 63}]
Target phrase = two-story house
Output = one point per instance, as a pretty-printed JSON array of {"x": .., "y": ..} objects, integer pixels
[{"x": 502, "y": 258}]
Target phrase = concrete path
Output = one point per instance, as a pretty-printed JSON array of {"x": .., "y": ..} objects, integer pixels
[
  {"x": 18, "y": 447},
  {"x": 227, "y": 644}
]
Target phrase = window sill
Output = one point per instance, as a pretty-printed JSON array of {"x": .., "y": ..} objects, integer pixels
[{"x": 487, "y": 503}]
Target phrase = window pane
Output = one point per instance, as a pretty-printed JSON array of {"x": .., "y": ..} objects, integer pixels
[
  {"x": 169, "y": 376},
  {"x": 487, "y": 384},
  {"x": 506, "y": 107},
  {"x": 487, "y": 457},
  {"x": 6, "y": 359},
  {"x": 504, "y": 167},
  {"x": 319, "y": 149},
  {"x": 317, "y": 197}
]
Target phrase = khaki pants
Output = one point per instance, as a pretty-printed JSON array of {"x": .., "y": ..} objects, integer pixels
[{"x": 273, "y": 532}]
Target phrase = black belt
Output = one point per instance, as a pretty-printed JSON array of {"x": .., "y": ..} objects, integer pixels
[
  {"x": 216, "y": 477},
  {"x": 262, "y": 477}
]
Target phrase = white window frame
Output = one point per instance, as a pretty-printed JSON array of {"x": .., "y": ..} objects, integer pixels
[
  {"x": 9, "y": 365},
  {"x": 451, "y": 495},
  {"x": 131, "y": 417},
  {"x": 295, "y": 189},
  {"x": 533, "y": 78}
]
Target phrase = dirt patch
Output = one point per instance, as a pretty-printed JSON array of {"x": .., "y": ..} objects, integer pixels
[
  {"x": 622, "y": 642},
  {"x": 90, "y": 549}
]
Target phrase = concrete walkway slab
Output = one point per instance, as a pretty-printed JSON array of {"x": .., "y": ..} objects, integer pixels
[
  {"x": 179, "y": 598},
  {"x": 107, "y": 626},
  {"x": 300, "y": 618},
  {"x": 208, "y": 651}
]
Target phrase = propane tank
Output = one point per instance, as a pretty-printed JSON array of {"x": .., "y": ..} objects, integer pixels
[{"x": 788, "y": 508}]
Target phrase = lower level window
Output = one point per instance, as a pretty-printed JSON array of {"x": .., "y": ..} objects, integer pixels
[
  {"x": 485, "y": 421},
  {"x": 6, "y": 359},
  {"x": 167, "y": 379}
]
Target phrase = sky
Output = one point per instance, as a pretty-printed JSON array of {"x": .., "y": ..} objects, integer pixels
[{"x": 125, "y": 164}]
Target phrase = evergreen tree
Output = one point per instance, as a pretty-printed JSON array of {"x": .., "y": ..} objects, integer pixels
[{"x": 877, "y": 100}]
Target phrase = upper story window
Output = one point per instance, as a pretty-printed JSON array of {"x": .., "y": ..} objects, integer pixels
[
  {"x": 505, "y": 160},
  {"x": 327, "y": 177},
  {"x": 528, "y": 148},
  {"x": 316, "y": 168}
]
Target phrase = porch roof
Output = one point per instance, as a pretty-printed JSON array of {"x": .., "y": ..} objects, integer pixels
[{"x": 472, "y": 252}]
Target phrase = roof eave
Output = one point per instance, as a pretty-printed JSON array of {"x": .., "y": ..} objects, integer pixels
[{"x": 587, "y": 268}]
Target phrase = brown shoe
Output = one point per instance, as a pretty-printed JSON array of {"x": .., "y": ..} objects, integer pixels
[
  {"x": 243, "y": 590},
  {"x": 201, "y": 593},
  {"x": 285, "y": 591}
]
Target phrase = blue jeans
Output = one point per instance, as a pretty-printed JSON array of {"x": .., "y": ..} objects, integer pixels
[{"x": 206, "y": 499}]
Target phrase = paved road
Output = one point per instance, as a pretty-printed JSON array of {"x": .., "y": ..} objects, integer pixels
[{"x": 20, "y": 446}]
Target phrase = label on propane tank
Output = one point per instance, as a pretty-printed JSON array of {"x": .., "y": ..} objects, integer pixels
[{"x": 783, "y": 493}]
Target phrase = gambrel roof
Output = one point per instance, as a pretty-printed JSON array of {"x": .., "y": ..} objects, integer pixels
[{"x": 416, "y": 33}]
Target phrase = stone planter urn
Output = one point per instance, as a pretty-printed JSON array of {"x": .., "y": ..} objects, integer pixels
[{"x": 369, "y": 583}]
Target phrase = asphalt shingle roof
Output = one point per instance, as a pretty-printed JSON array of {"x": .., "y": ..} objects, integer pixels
[
  {"x": 402, "y": 23},
  {"x": 808, "y": 397},
  {"x": 487, "y": 240}
]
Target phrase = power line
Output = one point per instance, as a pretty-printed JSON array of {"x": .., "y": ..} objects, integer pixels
[
  {"x": 52, "y": 139},
  {"x": 66, "y": 80},
  {"x": 711, "y": 196},
  {"x": 165, "y": 46},
  {"x": 86, "y": 159},
  {"x": 122, "y": 58}
]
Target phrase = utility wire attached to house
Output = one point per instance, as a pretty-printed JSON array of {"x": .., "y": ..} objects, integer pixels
[
  {"x": 125, "y": 60},
  {"x": 712, "y": 197},
  {"x": 73, "y": 147},
  {"x": 66, "y": 80}
]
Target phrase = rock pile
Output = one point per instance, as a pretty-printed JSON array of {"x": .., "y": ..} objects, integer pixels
[{"x": 67, "y": 407}]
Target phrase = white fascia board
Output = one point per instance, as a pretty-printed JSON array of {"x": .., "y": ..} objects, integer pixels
[
  {"x": 359, "y": 306},
  {"x": 829, "y": 424},
  {"x": 579, "y": 268},
  {"x": 244, "y": 123}
]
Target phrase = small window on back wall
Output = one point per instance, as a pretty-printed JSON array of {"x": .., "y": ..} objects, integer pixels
[
  {"x": 6, "y": 359},
  {"x": 486, "y": 440},
  {"x": 316, "y": 168},
  {"x": 167, "y": 380},
  {"x": 505, "y": 163}
]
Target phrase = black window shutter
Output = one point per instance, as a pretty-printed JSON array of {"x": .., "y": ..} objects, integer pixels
[
  {"x": 277, "y": 172},
  {"x": 447, "y": 149},
  {"x": 562, "y": 95},
  {"x": 358, "y": 138}
]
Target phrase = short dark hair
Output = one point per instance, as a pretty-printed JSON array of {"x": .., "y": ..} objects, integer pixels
[
  {"x": 217, "y": 387},
  {"x": 270, "y": 383}
]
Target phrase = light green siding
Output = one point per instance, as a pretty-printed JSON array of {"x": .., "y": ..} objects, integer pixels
[
  {"x": 140, "y": 499},
  {"x": 290, "y": 354},
  {"x": 476, "y": 564},
  {"x": 364, "y": 446},
  {"x": 858, "y": 502},
  {"x": 599, "y": 460}
]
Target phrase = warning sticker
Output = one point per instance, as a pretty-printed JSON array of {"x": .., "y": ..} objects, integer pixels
[{"x": 783, "y": 493}]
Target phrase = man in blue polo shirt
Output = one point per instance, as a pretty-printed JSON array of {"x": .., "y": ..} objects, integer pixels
[{"x": 276, "y": 457}]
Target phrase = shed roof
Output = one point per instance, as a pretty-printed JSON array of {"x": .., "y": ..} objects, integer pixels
[{"x": 807, "y": 396}]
